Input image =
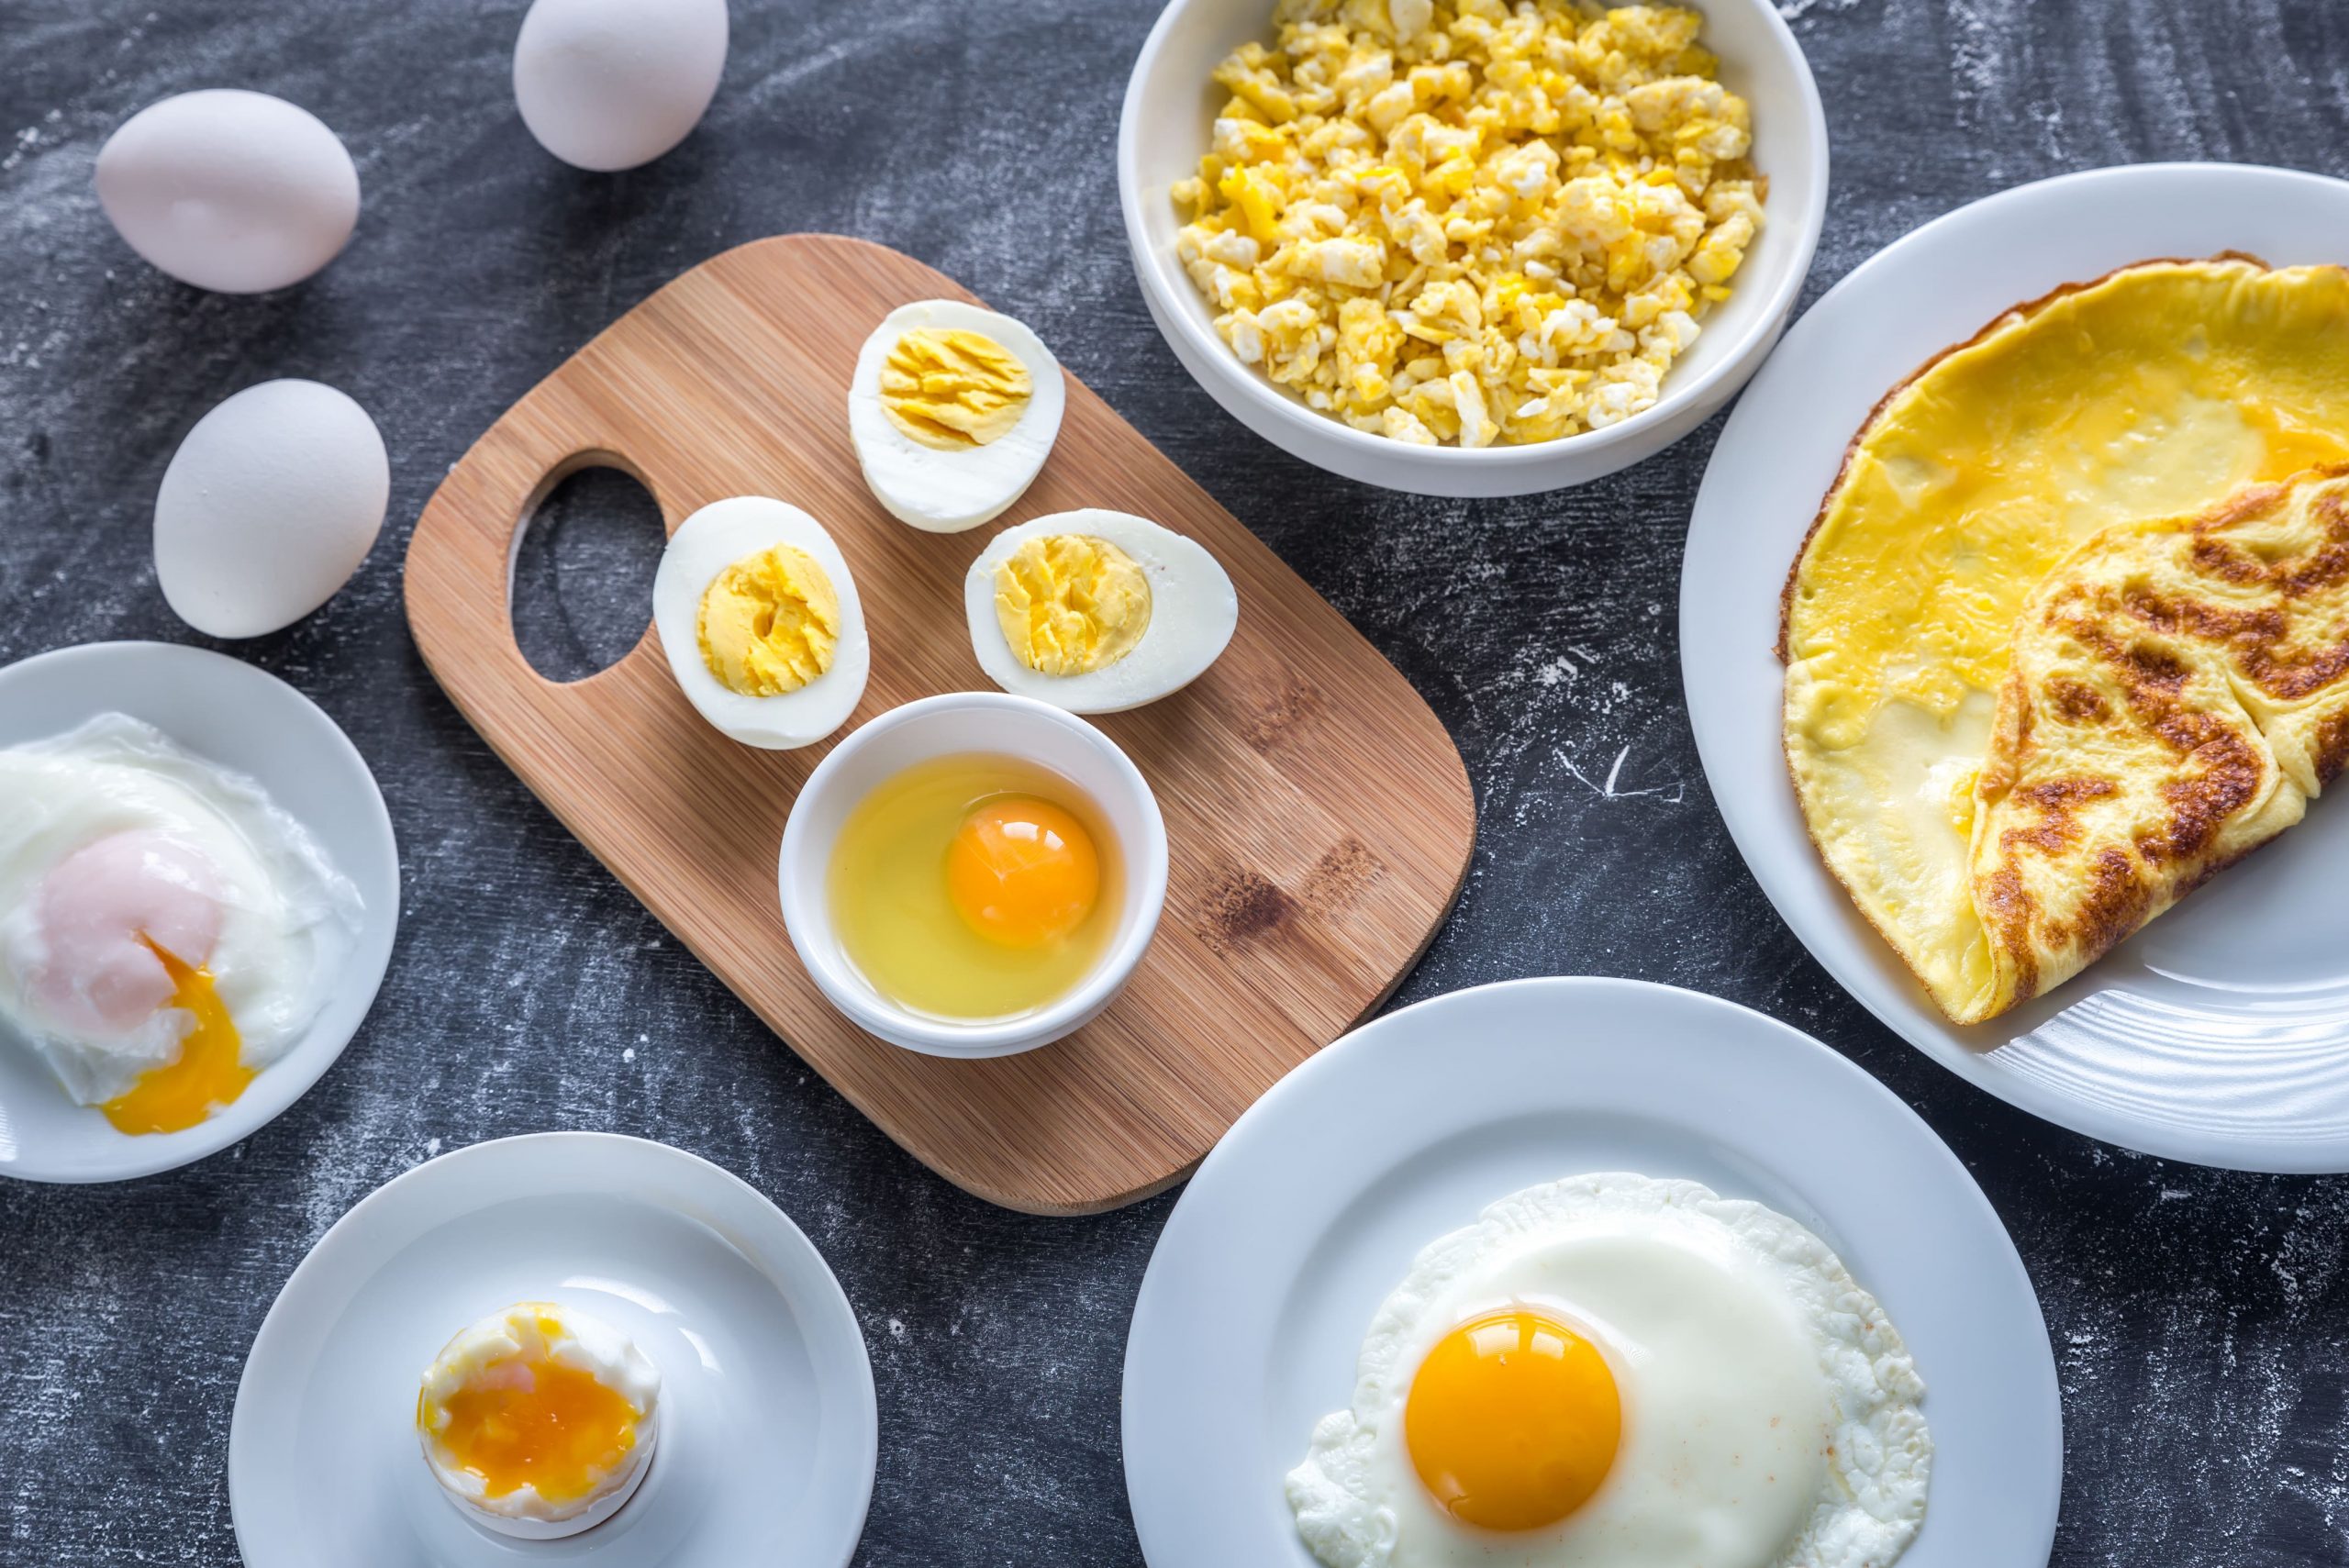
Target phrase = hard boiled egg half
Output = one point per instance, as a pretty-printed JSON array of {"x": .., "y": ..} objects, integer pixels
[
  {"x": 758, "y": 616},
  {"x": 1097, "y": 612},
  {"x": 953, "y": 410}
]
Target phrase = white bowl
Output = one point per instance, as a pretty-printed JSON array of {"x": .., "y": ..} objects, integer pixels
[
  {"x": 940, "y": 727},
  {"x": 1170, "y": 110}
]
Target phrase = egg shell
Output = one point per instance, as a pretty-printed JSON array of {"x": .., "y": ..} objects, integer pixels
[
  {"x": 229, "y": 189},
  {"x": 609, "y": 84},
  {"x": 948, "y": 491},
  {"x": 269, "y": 506},
  {"x": 704, "y": 545},
  {"x": 1194, "y": 611}
]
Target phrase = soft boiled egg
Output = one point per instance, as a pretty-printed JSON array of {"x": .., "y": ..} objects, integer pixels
[
  {"x": 539, "y": 1420},
  {"x": 952, "y": 409},
  {"x": 166, "y": 930},
  {"x": 1097, "y": 612},
  {"x": 758, "y": 616},
  {"x": 1617, "y": 1371}
]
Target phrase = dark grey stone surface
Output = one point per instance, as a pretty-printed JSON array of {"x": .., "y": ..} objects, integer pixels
[{"x": 2198, "y": 1315}]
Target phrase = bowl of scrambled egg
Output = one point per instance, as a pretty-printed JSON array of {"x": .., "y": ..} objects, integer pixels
[{"x": 1471, "y": 247}]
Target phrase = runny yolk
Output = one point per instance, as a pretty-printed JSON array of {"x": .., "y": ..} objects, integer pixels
[
  {"x": 543, "y": 1425},
  {"x": 1512, "y": 1421},
  {"x": 208, "y": 1073},
  {"x": 1022, "y": 871}
]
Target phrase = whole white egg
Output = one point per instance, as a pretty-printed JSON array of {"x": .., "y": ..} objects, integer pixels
[
  {"x": 268, "y": 507},
  {"x": 229, "y": 189},
  {"x": 607, "y": 84}
]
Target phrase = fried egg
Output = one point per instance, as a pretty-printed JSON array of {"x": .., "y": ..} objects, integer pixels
[
  {"x": 1097, "y": 612},
  {"x": 166, "y": 930},
  {"x": 953, "y": 410},
  {"x": 1616, "y": 1371},
  {"x": 2153, "y": 392},
  {"x": 539, "y": 1420},
  {"x": 759, "y": 617}
]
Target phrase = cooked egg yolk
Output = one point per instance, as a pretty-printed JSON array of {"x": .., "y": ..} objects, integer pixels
[
  {"x": 209, "y": 1072},
  {"x": 1022, "y": 871},
  {"x": 1512, "y": 1421},
  {"x": 770, "y": 623},
  {"x": 543, "y": 1425},
  {"x": 951, "y": 389},
  {"x": 1071, "y": 604}
]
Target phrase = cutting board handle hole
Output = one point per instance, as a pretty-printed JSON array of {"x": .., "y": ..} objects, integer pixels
[{"x": 580, "y": 591}]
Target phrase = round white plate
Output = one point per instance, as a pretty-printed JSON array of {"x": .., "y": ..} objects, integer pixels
[
  {"x": 2220, "y": 1033},
  {"x": 252, "y": 723},
  {"x": 768, "y": 1437},
  {"x": 1312, "y": 1208}
]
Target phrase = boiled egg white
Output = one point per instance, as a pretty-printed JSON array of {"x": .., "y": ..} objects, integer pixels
[
  {"x": 1096, "y": 611},
  {"x": 167, "y": 932},
  {"x": 758, "y": 616},
  {"x": 268, "y": 507},
  {"x": 953, "y": 410},
  {"x": 609, "y": 84},
  {"x": 229, "y": 189},
  {"x": 1618, "y": 1371},
  {"x": 539, "y": 1420}
]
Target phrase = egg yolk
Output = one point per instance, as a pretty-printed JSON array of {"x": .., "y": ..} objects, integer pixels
[
  {"x": 770, "y": 623},
  {"x": 1512, "y": 1421},
  {"x": 953, "y": 390},
  {"x": 543, "y": 1425},
  {"x": 1071, "y": 604},
  {"x": 209, "y": 1072},
  {"x": 1022, "y": 871}
]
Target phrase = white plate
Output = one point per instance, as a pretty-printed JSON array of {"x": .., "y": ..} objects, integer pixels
[
  {"x": 768, "y": 1435},
  {"x": 1311, "y": 1209},
  {"x": 2219, "y": 1034},
  {"x": 252, "y": 723}
]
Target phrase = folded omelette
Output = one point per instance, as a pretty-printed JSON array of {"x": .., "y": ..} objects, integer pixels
[{"x": 1999, "y": 843}]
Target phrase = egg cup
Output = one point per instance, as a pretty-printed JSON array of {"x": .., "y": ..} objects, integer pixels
[{"x": 943, "y": 726}]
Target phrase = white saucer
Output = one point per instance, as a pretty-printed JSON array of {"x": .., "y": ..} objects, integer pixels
[
  {"x": 253, "y": 723},
  {"x": 1312, "y": 1208},
  {"x": 2220, "y": 1032},
  {"x": 768, "y": 1437}
]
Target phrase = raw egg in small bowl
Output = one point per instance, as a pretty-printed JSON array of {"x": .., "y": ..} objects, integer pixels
[{"x": 972, "y": 874}]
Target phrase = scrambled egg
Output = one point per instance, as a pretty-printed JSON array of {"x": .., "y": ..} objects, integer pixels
[
  {"x": 1071, "y": 604},
  {"x": 952, "y": 389},
  {"x": 1469, "y": 222},
  {"x": 770, "y": 623}
]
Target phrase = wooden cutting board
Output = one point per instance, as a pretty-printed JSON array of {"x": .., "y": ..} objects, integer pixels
[{"x": 1318, "y": 818}]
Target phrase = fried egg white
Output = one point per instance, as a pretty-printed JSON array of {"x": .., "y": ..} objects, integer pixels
[
  {"x": 951, "y": 435},
  {"x": 1711, "y": 1387},
  {"x": 154, "y": 906}
]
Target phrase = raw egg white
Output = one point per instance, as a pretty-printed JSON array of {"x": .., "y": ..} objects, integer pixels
[
  {"x": 268, "y": 507},
  {"x": 608, "y": 84},
  {"x": 229, "y": 189},
  {"x": 539, "y": 1420},
  {"x": 1616, "y": 1371},
  {"x": 1097, "y": 612},
  {"x": 759, "y": 617},
  {"x": 166, "y": 930},
  {"x": 953, "y": 410}
]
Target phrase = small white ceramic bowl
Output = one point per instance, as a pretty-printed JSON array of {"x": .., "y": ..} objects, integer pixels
[
  {"x": 1170, "y": 112},
  {"x": 940, "y": 727}
]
